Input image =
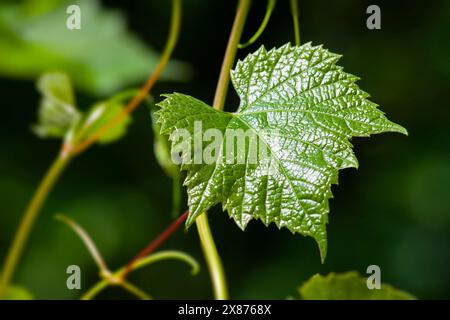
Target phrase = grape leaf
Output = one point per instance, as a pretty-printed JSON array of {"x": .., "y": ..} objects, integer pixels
[
  {"x": 347, "y": 286},
  {"x": 58, "y": 117},
  {"x": 304, "y": 109},
  {"x": 57, "y": 111},
  {"x": 99, "y": 115}
]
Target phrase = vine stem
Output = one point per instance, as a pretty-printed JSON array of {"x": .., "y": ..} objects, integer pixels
[
  {"x": 131, "y": 288},
  {"x": 212, "y": 257},
  {"x": 163, "y": 255},
  {"x": 154, "y": 244},
  {"x": 230, "y": 54},
  {"x": 29, "y": 218},
  {"x": 87, "y": 240},
  {"x": 140, "y": 96},
  {"x": 294, "y": 11},
  {"x": 104, "y": 271},
  {"x": 68, "y": 152}
]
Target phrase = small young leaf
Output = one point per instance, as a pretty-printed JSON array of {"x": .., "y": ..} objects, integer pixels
[
  {"x": 347, "y": 286},
  {"x": 304, "y": 109},
  {"x": 59, "y": 118},
  {"x": 57, "y": 111},
  {"x": 100, "y": 114}
]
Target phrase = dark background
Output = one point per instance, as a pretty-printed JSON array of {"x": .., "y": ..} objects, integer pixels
[{"x": 394, "y": 211}]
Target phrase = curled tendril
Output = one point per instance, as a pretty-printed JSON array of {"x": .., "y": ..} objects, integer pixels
[
  {"x": 116, "y": 278},
  {"x": 159, "y": 256},
  {"x": 164, "y": 255},
  {"x": 269, "y": 10}
]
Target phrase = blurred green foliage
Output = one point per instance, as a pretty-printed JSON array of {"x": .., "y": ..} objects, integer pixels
[
  {"x": 58, "y": 116},
  {"x": 17, "y": 293},
  {"x": 394, "y": 211},
  {"x": 35, "y": 40},
  {"x": 347, "y": 286}
]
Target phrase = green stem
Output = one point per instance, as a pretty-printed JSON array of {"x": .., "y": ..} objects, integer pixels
[
  {"x": 102, "y": 284},
  {"x": 87, "y": 240},
  {"x": 176, "y": 194},
  {"x": 294, "y": 11},
  {"x": 29, "y": 218},
  {"x": 175, "y": 24},
  {"x": 63, "y": 159},
  {"x": 230, "y": 54},
  {"x": 262, "y": 27},
  {"x": 95, "y": 290},
  {"x": 212, "y": 257},
  {"x": 131, "y": 288}
]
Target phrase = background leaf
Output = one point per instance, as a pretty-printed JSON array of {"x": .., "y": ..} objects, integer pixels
[
  {"x": 347, "y": 286},
  {"x": 101, "y": 57},
  {"x": 14, "y": 292}
]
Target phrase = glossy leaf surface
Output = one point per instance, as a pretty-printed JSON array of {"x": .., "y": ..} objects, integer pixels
[{"x": 304, "y": 109}]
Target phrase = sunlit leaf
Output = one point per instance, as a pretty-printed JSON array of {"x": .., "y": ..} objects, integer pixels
[{"x": 304, "y": 109}]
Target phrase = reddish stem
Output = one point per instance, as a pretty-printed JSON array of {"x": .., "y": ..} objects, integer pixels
[{"x": 153, "y": 245}]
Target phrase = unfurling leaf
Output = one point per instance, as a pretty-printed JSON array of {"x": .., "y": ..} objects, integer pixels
[
  {"x": 347, "y": 286},
  {"x": 57, "y": 111},
  {"x": 303, "y": 109},
  {"x": 59, "y": 117},
  {"x": 99, "y": 115}
]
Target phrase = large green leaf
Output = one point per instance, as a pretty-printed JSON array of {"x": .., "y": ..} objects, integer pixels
[
  {"x": 303, "y": 109},
  {"x": 101, "y": 57},
  {"x": 347, "y": 286}
]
